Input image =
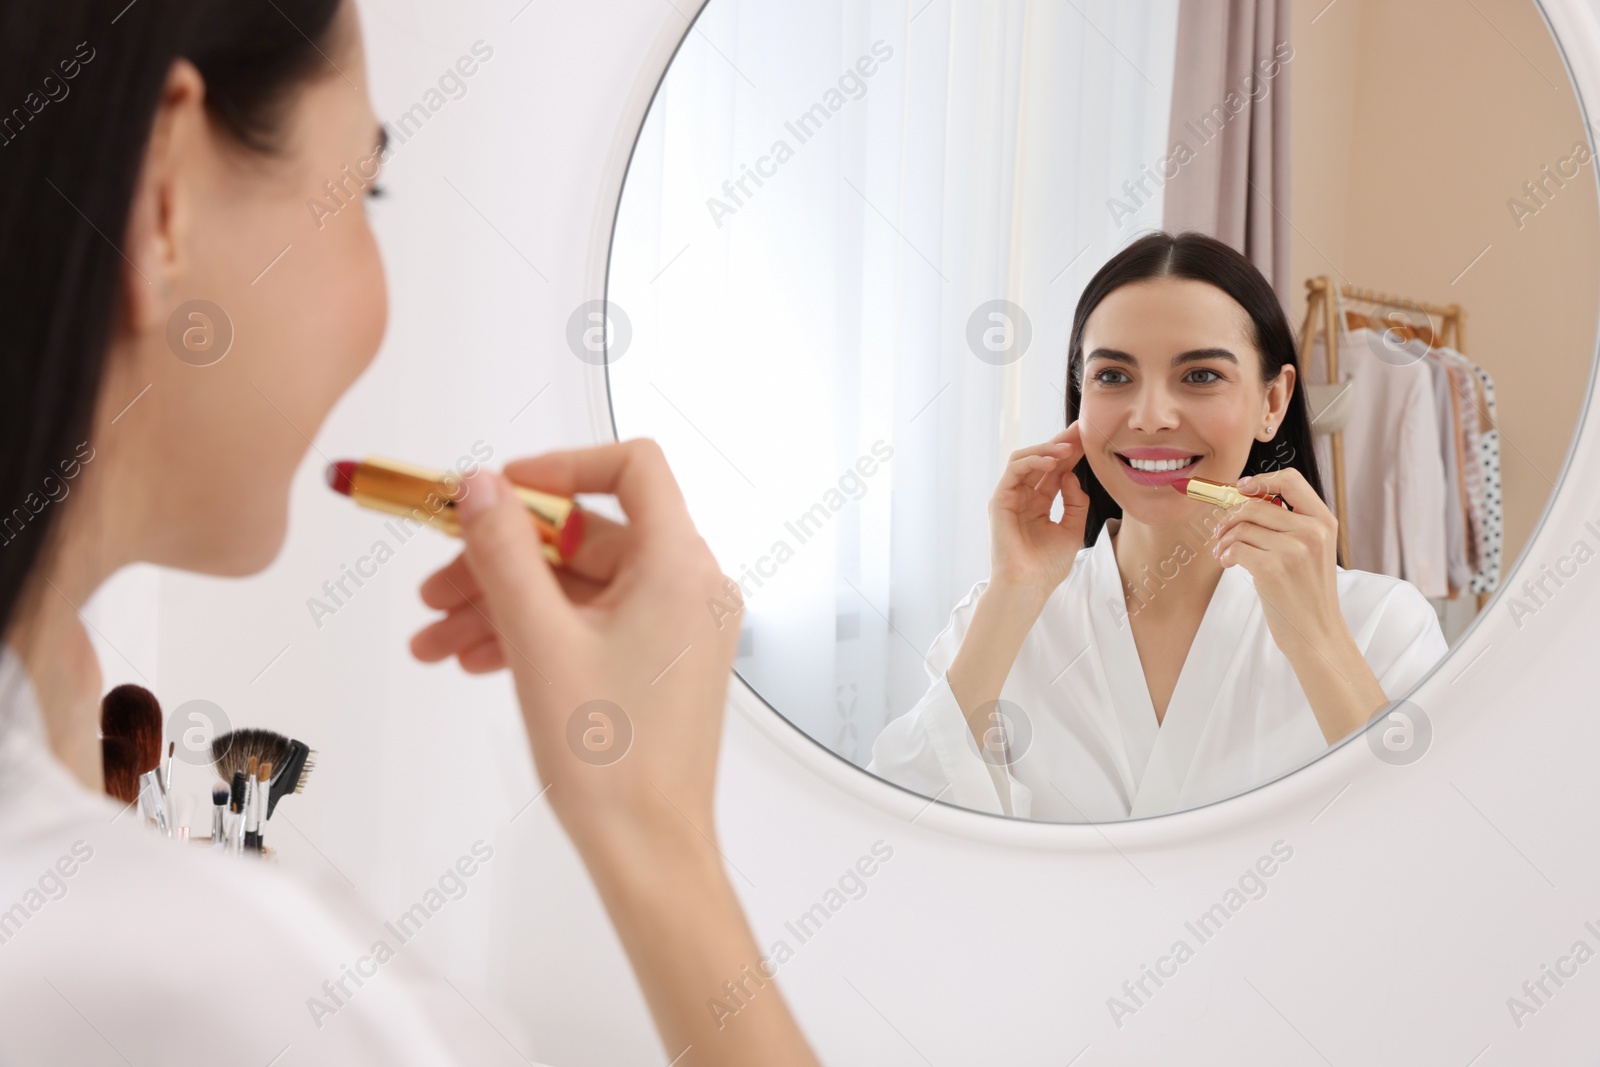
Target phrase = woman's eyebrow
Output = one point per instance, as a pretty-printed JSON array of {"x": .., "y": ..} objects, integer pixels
[{"x": 1193, "y": 356}]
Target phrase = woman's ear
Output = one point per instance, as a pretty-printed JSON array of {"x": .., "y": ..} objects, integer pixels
[
  {"x": 155, "y": 242},
  {"x": 1279, "y": 393}
]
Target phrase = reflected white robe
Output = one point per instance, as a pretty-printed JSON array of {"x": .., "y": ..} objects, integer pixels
[{"x": 1237, "y": 718}]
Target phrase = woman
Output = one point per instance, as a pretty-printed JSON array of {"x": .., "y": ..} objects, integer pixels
[
  {"x": 1147, "y": 652},
  {"x": 162, "y": 152}
]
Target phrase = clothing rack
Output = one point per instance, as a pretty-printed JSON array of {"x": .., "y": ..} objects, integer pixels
[{"x": 1322, "y": 309}]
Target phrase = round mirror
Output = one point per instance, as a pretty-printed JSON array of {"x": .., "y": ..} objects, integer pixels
[{"x": 961, "y": 323}]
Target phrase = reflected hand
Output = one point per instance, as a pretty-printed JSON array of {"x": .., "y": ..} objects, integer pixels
[
  {"x": 1026, "y": 548},
  {"x": 1290, "y": 555}
]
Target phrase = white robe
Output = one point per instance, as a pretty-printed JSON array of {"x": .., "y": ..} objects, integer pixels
[
  {"x": 1237, "y": 717},
  {"x": 120, "y": 946}
]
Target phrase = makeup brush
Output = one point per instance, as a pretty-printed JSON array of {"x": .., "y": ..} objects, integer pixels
[
  {"x": 293, "y": 760},
  {"x": 262, "y": 782},
  {"x": 116, "y": 760},
  {"x": 166, "y": 782},
  {"x": 249, "y": 802},
  {"x": 132, "y": 712},
  {"x": 234, "y": 750},
  {"x": 236, "y": 812},
  {"x": 294, "y": 768},
  {"x": 152, "y": 802},
  {"x": 219, "y": 804}
]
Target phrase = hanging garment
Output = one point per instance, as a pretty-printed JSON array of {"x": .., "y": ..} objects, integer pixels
[
  {"x": 1394, "y": 473},
  {"x": 1455, "y": 507},
  {"x": 1487, "y": 580},
  {"x": 1464, "y": 383},
  {"x": 1079, "y": 723}
]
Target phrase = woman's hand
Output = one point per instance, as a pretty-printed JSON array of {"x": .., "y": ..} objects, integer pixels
[
  {"x": 1029, "y": 555},
  {"x": 621, "y": 661},
  {"x": 1026, "y": 548},
  {"x": 620, "y": 665},
  {"x": 1291, "y": 558}
]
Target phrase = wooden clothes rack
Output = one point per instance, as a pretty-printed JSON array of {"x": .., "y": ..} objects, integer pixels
[{"x": 1322, "y": 309}]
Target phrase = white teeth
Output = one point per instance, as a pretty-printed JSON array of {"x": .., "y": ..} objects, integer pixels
[{"x": 1159, "y": 464}]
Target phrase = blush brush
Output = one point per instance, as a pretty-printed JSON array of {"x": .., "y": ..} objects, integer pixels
[
  {"x": 116, "y": 761},
  {"x": 132, "y": 713}
]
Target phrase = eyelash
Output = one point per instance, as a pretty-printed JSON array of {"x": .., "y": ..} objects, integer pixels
[
  {"x": 377, "y": 192},
  {"x": 1198, "y": 370}
]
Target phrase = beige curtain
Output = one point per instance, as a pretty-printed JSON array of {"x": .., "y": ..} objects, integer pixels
[{"x": 1230, "y": 107}]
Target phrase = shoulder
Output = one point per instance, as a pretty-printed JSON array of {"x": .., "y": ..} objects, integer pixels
[
  {"x": 1367, "y": 594},
  {"x": 201, "y": 947}
]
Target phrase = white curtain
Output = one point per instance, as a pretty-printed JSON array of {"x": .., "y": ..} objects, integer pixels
[{"x": 780, "y": 331}]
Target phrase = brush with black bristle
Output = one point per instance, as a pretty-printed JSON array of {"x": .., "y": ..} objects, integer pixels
[
  {"x": 116, "y": 761},
  {"x": 235, "y": 831},
  {"x": 291, "y": 775},
  {"x": 219, "y": 805}
]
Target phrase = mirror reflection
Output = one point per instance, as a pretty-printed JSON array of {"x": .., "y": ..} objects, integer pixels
[{"x": 1080, "y": 398}]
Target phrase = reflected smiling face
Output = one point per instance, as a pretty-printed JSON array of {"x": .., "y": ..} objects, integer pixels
[{"x": 1171, "y": 388}]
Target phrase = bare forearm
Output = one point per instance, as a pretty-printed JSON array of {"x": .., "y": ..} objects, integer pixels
[
  {"x": 714, "y": 999},
  {"x": 1343, "y": 692},
  {"x": 1000, "y": 623}
]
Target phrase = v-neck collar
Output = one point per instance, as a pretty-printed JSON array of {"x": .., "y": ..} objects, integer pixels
[{"x": 1158, "y": 756}]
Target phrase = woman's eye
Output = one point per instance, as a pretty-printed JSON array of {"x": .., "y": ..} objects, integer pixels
[
  {"x": 1100, "y": 376},
  {"x": 1215, "y": 377}
]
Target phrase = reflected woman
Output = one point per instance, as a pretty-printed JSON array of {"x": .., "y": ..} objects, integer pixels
[{"x": 1148, "y": 652}]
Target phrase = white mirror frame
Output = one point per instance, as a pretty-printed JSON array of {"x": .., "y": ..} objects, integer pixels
[{"x": 1457, "y": 708}]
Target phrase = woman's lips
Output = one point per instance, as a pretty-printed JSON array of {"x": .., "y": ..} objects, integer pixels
[{"x": 1139, "y": 477}]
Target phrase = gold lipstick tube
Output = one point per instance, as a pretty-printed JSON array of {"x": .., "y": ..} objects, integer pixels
[
  {"x": 429, "y": 496},
  {"x": 1228, "y": 496}
]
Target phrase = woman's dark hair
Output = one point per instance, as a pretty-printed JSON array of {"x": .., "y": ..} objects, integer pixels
[
  {"x": 1206, "y": 259},
  {"x": 80, "y": 82}
]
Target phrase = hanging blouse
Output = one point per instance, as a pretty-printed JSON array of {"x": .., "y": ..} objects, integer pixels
[
  {"x": 1464, "y": 382},
  {"x": 1455, "y": 509},
  {"x": 1394, "y": 472},
  {"x": 1487, "y": 580}
]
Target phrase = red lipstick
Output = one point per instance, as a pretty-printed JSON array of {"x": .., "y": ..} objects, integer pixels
[{"x": 429, "y": 496}]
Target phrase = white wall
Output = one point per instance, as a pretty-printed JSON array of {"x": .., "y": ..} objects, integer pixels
[{"x": 1417, "y": 900}]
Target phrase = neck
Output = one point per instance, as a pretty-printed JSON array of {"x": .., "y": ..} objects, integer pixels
[
  {"x": 1173, "y": 561},
  {"x": 54, "y": 647},
  {"x": 48, "y": 634}
]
